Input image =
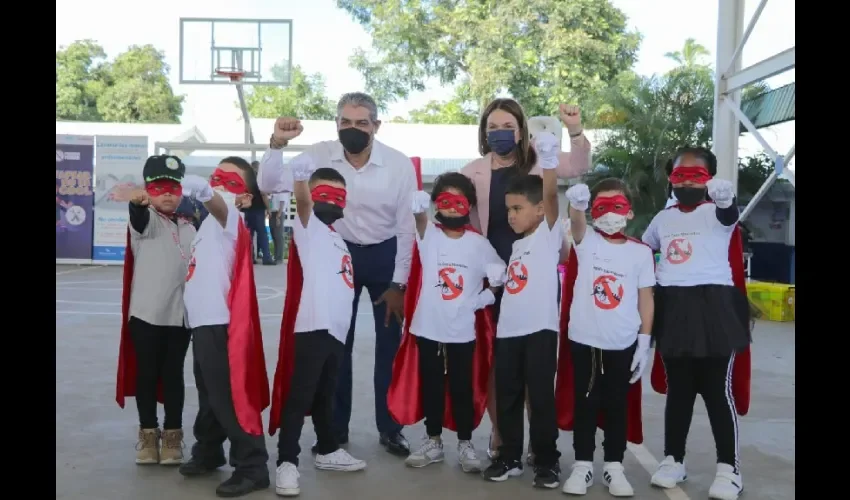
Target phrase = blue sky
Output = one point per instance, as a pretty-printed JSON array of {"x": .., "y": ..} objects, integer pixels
[{"x": 117, "y": 24}]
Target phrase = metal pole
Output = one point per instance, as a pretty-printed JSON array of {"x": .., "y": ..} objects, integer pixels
[{"x": 730, "y": 25}]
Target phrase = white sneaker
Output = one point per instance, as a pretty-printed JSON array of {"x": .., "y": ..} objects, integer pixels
[
  {"x": 340, "y": 460},
  {"x": 614, "y": 477},
  {"x": 669, "y": 473},
  {"x": 286, "y": 484},
  {"x": 429, "y": 453},
  {"x": 727, "y": 485},
  {"x": 581, "y": 478},
  {"x": 469, "y": 461}
]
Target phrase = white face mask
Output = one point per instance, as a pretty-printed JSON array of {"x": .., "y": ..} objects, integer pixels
[
  {"x": 229, "y": 197},
  {"x": 610, "y": 223}
]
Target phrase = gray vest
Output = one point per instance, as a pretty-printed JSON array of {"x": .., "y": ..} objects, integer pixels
[{"x": 160, "y": 270}]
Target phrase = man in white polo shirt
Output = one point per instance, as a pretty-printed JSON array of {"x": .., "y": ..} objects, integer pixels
[{"x": 379, "y": 231}]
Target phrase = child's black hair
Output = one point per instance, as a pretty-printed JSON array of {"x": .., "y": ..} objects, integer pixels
[
  {"x": 327, "y": 174},
  {"x": 530, "y": 186},
  {"x": 610, "y": 184},
  {"x": 457, "y": 181},
  {"x": 700, "y": 152},
  {"x": 248, "y": 173}
]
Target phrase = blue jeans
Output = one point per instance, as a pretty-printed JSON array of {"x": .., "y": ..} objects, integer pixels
[
  {"x": 373, "y": 269},
  {"x": 256, "y": 222}
]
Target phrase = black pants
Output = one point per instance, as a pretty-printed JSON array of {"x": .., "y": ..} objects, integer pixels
[
  {"x": 216, "y": 420},
  {"x": 276, "y": 228},
  {"x": 317, "y": 359},
  {"x": 529, "y": 361},
  {"x": 375, "y": 265},
  {"x": 600, "y": 383},
  {"x": 711, "y": 378},
  {"x": 437, "y": 360},
  {"x": 160, "y": 354}
]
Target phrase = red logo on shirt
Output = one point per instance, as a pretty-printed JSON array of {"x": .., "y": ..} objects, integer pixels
[
  {"x": 679, "y": 251},
  {"x": 448, "y": 288},
  {"x": 603, "y": 296},
  {"x": 347, "y": 271},
  {"x": 191, "y": 270},
  {"x": 517, "y": 277}
]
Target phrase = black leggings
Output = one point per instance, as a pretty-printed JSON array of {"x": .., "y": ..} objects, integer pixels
[
  {"x": 711, "y": 378},
  {"x": 160, "y": 353},
  {"x": 435, "y": 359}
]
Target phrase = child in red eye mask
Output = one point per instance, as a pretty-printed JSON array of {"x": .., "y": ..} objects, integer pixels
[
  {"x": 606, "y": 321},
  {"x": 446, "y": 348},
  {"x": 154, "y": 337},
  {"x": 227, "y": 346}
]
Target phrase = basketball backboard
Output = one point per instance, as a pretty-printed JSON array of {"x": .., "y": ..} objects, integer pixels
[{"x": 261, "y": 48}]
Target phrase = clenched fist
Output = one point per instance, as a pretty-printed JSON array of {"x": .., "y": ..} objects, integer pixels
[
  {"x": 286, "y": 129},
  {"x": 570, "y": 115}
]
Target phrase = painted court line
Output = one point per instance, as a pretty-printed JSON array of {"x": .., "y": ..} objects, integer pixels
[
  {"x": 79, "y": 269},
  {"x": 650, "y": 464}
]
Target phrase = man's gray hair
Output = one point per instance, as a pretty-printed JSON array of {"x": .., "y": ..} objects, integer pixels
[{"x": 358, "y": 99}]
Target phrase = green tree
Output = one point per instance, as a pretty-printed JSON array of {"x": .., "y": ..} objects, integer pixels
[
  {"x": 133, "y": 88},
  {"x": 460, "y": 109},
  {"x": 304, "y": 97},
  {"x": 541, "y": 52}
]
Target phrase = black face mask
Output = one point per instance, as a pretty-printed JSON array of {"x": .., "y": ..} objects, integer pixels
[
  {"x": 354, "y": 140},
  {"x": 328, "y": 213},
  {"x": 501, "y": 142},
  {"x": 452, "y": 222},
  {"x": 689, "y": 196}
]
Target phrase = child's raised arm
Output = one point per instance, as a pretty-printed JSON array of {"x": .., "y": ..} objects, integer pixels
[
  {"x": 419, "y": 205},
  {"x": 547, "y": 152},
  {"x": 579, "y": 198},
  {"x": 302, "y": 168}
]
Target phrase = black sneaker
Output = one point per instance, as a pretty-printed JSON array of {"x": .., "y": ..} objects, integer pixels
[
  {"x": 239, "y": 485},
  {"x": 197, "y": 467},
  {"x": 547, "y": 477},
  {"x": 500, "y": 470}
]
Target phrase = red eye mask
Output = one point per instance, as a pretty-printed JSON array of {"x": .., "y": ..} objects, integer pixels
[
  {"x": 602, "y": 205},
  {"x": 446, "y": 201},
  {"x": 698, "y": 175},
  {"x": 230, "y": 181},
  {"x": 164, "y": 186},
  {"x": 329, "y": 194}
]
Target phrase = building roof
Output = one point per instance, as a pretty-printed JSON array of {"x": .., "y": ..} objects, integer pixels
[{"x": 772, "y": 107}]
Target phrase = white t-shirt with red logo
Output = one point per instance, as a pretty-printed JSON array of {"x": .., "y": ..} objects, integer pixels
[
  {"x": 327, "y": 296},
  {"x": 604, "y": 313},
  {"x": 530, "y": 300},
  {"x": 694, "y": 247},
  {"x": 211, "y": 271},
  {"x": 453, "y": 272}
]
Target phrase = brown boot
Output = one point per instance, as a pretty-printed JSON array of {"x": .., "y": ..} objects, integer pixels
[
  {"x": 147, "y": 449},
  {"x": 172, "y": 447}
]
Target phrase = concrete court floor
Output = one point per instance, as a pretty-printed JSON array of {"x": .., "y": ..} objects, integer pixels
[{"x": 95, "y": 439}]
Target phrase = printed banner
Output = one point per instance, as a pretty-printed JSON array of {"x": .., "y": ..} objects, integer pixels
[
  {"x": 118, "y": 162},
  {"x": 74, "y": 220}
]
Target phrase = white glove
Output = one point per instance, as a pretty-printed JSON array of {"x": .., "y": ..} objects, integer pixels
[
  {"x": 722, "y": 192},
  {"x": 496, "y": 274},
  {"x": 302, "y": 167},
  {"x": 579, "y": 196},
  {"x": 195, "y": 186},
  {"x": 546, "y": 145},
  {"x": 484, "y": 299},
  {"x": 640, "y": 358},
  {"x": 420, "y": 201}
]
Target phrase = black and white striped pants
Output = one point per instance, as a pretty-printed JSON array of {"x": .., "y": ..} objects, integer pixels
[{"x": 712, "y": 379}]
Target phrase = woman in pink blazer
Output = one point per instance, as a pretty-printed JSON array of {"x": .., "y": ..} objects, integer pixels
[{"x": 506, "y": 151}]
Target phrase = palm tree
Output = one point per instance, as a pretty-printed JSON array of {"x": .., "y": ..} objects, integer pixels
[{"x": 691, "y": 54}]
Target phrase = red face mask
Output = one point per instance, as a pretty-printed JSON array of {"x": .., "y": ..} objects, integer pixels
[
  {"x": 160, "y": 187},
  {"x": 328, "y": 194},
  {"x": 232, "y": 182},
  {"x": 697, "y": 175},
  {"x": 447, "y": 201},
  {"x": 602, "y": 205}
]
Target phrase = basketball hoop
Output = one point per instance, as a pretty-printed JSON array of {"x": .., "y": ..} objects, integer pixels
[{"x": 235, "y": 75}]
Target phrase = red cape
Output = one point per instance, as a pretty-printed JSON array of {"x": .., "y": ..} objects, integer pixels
[
  {"x": 248, "y": 379},
  {"x": 564, "y": 391},
  {"x": 286, "y": 346},
  {"x": 741, "y": 369},
  {"x": 404, "y": 397},
  {"x": 125, "y": 386}
]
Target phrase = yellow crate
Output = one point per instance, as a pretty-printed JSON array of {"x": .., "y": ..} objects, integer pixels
[{"x": 775, "y": 301}]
